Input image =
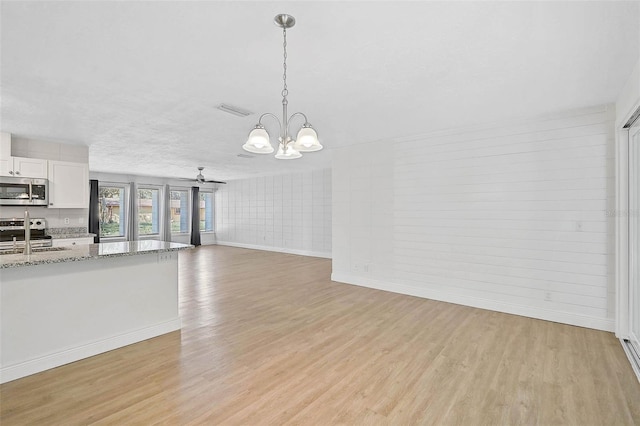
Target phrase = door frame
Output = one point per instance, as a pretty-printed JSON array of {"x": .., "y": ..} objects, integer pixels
[
  {"x": 622, "y": 233},
  {"x": 622, "y": 217},
  {"x": 634, "y": 232}
]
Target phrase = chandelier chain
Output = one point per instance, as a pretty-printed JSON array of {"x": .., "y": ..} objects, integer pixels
[{"x": 285, "y": 91}]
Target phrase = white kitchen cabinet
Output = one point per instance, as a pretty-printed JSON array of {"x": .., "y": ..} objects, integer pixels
[
  {"x": 68, "y": 185},
  {"x": 57, "y": 313},
  {"x": 66, "y": 242},
  {"x": 19, "y": 166},
  {"x": 23, "y": 167},
  {"x": 6, "y": 166},
  {"x": 6, "y": 160},
  {"x": 29, "y": 167}
]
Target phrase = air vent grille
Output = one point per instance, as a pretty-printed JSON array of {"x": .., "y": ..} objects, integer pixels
[{"x": 239, "y": 112}]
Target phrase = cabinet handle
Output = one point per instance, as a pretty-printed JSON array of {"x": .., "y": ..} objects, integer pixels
[
  {"x": 10, "y": 172},
  {"x": 17, "y": 173},
  {"x": 50, "y": 204}
]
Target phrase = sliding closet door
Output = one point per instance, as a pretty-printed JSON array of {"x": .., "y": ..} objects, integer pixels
[{"x": 634, "y": 233}]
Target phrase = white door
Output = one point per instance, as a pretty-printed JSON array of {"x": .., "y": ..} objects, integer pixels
[{"x": 634, "y": 235}]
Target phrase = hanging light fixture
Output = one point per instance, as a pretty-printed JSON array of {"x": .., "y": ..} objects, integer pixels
[{"x": 307, "y": 138}]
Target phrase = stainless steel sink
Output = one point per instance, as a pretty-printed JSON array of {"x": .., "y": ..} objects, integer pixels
[{"x": 33, "y": 250}]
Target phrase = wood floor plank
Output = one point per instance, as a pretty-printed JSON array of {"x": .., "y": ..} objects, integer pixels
[{"x": 268, "y": 338}]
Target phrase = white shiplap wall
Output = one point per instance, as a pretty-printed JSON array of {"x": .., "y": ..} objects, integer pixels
[
  {"x": 287, "y": 213},
  {"x": 510, "y": 217}
]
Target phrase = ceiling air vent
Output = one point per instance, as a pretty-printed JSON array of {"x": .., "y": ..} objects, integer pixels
[{"x": 234, "y": 110}]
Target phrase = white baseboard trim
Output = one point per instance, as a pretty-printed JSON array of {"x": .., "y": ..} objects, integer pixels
[
  {"x": 603, "y": 324},
  {"x": 276, "y": 249},
  {"x": 69, "y": 355}
]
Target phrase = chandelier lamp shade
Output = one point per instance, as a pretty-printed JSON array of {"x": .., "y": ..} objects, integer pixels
[{"x": 306, "y": 140}]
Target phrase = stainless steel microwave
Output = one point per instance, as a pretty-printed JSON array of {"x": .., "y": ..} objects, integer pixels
[{"x": 20, "y": 191}]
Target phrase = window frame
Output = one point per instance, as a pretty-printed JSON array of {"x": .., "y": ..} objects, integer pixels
[
  {"x": 125, "y": 213},
  {"x": 188, "y": 209},
  {"x": 160, "y": 210},
  {"x": 213, "y": 218}
]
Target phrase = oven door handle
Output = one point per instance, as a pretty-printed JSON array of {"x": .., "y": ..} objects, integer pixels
[{"x": 30, "y": 191}]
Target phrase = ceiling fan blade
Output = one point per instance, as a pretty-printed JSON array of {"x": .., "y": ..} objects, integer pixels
[{"x": 203, "y": 181}]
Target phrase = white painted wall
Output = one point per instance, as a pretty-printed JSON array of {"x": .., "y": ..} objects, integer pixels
[
  {"x": 36, "y": 148},
  {"x": 286, "y": 213},
  {"x": 510, "y": 217}
]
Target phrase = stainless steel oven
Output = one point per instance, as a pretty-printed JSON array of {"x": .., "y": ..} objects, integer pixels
[
  {"x": 12, "y": 233},
  {"x": 20, "y": 191}
]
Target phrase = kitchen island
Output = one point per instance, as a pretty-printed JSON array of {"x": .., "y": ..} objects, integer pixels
[{"x": 63, "y": 305}]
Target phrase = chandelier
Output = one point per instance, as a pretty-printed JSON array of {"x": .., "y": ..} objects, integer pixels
[{"x": 307, "y": 138}]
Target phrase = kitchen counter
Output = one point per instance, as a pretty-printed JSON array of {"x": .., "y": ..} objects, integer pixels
[
  {"x": 90, "y": 251},
  {"x": 60, "y": 306}
]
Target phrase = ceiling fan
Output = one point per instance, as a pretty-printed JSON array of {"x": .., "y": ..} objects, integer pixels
[{"x": 201, "y": 180}]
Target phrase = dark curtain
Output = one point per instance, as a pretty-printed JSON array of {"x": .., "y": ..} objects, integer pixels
[
  {"x": 94, "y": 210},
  {"x": 195, "y": 216}
]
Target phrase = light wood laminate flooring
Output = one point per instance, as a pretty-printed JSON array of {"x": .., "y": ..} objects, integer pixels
[{"x": 268, "y": 338}]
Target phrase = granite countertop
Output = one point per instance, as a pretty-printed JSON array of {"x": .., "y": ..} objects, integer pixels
[{"x": 90, "y": 251}]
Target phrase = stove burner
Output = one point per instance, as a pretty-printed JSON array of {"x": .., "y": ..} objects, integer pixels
[{"x": 12, "y": 229}]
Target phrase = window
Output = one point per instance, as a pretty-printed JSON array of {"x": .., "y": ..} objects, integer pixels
[
  {"x": 206, "y": 211},
  {"x": 179, "y": 207},
  {"x": 112, "y": 210},
  {"x": 148, "y": 211}
]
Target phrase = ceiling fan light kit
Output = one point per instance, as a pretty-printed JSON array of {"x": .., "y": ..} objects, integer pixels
[{"x": 306, "y": 140}]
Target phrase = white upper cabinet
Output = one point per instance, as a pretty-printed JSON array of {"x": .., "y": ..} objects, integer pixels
[
  {"x": 5, "y": 154},
  {"x": 19, "y": 166},
  {"x": 68, "y": 185},
  {"x": 29, "y": 167}
]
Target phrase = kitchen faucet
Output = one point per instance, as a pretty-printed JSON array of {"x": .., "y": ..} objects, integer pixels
[{"x": 27, "y": 233}]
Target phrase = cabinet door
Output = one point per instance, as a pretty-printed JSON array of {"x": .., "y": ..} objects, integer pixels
[
  {"x": 68, "y": 185},
  {"x": 29, "y": 167},
  {"x": 6, "y": 166},
  {"x": 65, "y": 242},
  {"x": 6, "y": 160}
]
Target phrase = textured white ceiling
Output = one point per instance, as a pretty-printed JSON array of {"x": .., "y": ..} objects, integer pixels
[{"x": 139, "y": 82}]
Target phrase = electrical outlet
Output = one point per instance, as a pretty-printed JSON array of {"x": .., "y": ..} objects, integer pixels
[
  {"x": 164, "y": 256},
  {"x": 66, "y": 220}
]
